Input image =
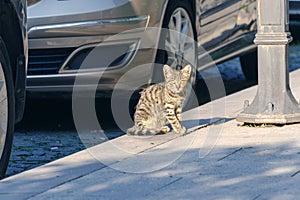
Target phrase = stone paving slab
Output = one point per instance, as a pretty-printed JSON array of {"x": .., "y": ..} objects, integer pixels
[{"x": 218, "y": 159}]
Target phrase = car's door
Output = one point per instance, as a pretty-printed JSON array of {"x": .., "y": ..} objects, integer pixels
[{"x": 216, "y": 20}]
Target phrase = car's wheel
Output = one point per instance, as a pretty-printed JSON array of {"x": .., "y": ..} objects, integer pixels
[
  {"x": 6, "y": 109},
  {"x": 249, "y": 65},
  {"x": 178, "y": 46}
]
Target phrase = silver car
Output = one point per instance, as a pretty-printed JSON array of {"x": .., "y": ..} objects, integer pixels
[{"x": 62, "y": 34}]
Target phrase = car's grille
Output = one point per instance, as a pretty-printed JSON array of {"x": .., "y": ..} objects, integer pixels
[{"x": 47, "y": 61}]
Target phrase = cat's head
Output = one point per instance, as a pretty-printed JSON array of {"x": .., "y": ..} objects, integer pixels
[{"x": 176, "y": 80}]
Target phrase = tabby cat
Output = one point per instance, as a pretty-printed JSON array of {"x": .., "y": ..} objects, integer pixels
[{"x": 162, "y": 103}]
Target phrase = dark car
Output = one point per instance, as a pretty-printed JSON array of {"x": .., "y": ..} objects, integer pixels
[
  {"x": 294, "y": 13},
  {"x": 13, "y": 62},
  {"x": 62, "y": 34}
]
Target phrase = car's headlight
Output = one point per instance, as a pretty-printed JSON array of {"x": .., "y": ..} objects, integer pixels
[{"x": 31, "y": 2}]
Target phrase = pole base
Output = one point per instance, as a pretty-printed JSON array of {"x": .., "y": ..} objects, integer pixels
[
  {"x": 282, "y": 108},
  {"x": 280, "y": 119}
]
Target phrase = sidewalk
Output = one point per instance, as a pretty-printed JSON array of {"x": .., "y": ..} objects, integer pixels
[{"x": 219, "y": 159}]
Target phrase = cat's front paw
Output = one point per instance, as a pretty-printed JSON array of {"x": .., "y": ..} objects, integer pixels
[
  {"x": 181, "y": 131},
  {"x": 165, "y": 129}
]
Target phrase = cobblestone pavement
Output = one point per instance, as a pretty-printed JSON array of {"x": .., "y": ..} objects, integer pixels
[
  {"x": 47, "y": 131},
  {"x": 31, "y": 149}
]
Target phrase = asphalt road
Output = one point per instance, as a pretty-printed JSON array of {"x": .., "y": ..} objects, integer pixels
[{"x": 47, "y": 131}]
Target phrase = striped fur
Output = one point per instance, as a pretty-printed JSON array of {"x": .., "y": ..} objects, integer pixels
[{"x": 161, "y": 104}]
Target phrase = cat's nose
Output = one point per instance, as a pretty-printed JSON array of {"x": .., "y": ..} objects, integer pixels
[{"x": 177, "y": 86}]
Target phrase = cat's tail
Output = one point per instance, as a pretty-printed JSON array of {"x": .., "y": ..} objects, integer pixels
[{"x": 139, "y": 131}]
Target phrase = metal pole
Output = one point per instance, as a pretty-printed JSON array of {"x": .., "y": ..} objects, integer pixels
[{"x": 274, "y": 102}]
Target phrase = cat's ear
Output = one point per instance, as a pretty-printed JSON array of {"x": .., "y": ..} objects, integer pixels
[
  {"x": 186, "y": 71},
  {"x": 168, "y": 71}
]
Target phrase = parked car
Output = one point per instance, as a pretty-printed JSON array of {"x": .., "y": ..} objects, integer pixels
[
  {"x": 13, "y": 62},
  {"x": 294, "y": 13},
  {"x": 62, "y": 33}
]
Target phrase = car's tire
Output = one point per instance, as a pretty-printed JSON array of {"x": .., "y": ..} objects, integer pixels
[
  {"x": 250, "y": 66},
  {"x": 177, "y": 51},
  {"x": 7, "y": 109}
]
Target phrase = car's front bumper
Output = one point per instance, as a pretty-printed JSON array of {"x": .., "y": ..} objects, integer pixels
[{"x": 101, "y": 64}]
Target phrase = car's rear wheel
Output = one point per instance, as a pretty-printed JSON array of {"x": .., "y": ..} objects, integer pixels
[
  {"x": 178, "y": 46},
  {"x": 249, "y": 65},
  {"x": 6, "y": 109}
]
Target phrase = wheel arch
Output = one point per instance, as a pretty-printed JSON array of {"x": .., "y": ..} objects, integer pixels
[{"x": 191, "y": 3}]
